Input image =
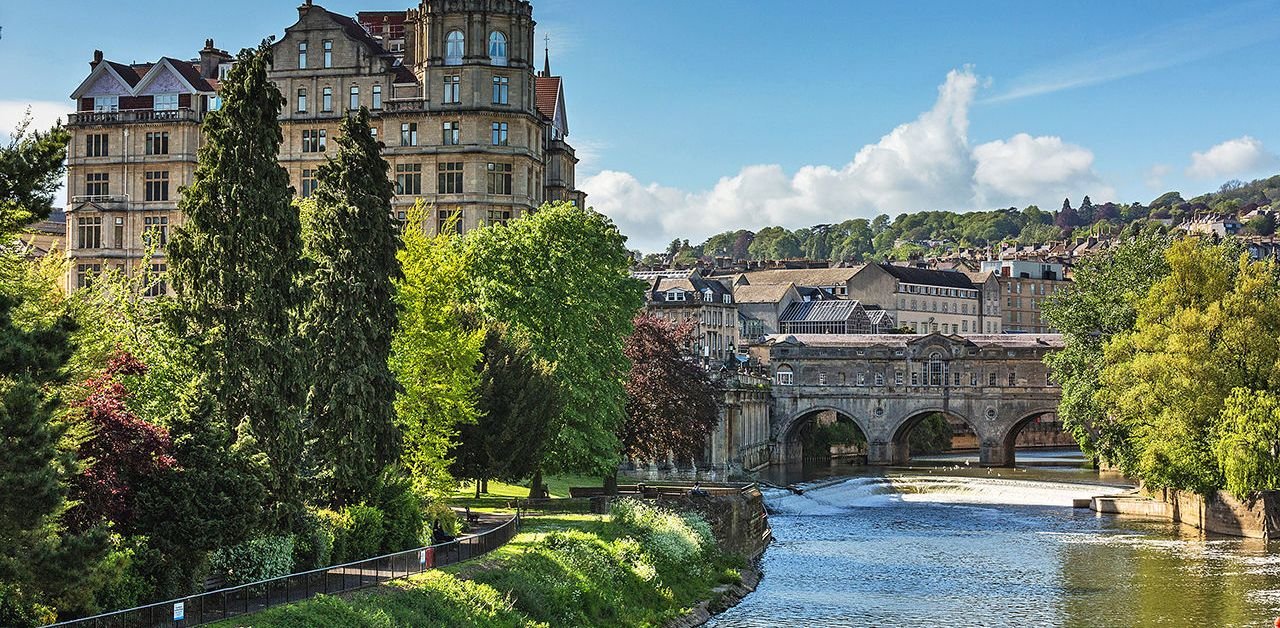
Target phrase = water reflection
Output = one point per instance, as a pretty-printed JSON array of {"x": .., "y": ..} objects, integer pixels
[{"x": 951, "y": 544}]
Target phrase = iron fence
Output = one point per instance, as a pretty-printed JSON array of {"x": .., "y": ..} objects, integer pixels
[{"x": 229, "y": 602}]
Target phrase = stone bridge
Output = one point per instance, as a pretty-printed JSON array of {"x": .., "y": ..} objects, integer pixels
[{"x": 887, "y": 384}]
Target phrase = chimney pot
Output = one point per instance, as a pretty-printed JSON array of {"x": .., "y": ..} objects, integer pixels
[{"x": 97, "y": 57}]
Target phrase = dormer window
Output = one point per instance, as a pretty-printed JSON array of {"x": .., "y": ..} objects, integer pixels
[
  {"x": 727, "y": 298},
  {"x": 497, "y": 48},
  {"x": 708, "y": 296},
  {"x": 453, "y": 48},
  {"x": 676, "y": 295},
  {"x": 165, "y": 102}
]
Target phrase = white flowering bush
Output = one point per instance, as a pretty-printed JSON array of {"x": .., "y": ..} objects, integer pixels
[{"x": 667, "y": 535}]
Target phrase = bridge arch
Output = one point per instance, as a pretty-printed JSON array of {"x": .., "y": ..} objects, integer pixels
[
  {"x": 1006, "y": 442},
  {"x": 791, "y": 434},
  {"x": 900, "y": 439}
]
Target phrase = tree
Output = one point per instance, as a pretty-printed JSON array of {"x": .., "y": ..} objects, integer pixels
[
  {"x": 517, "y": 404},
  {"x": 559, "y": 279},
  {"x": 235, "y": 266},
  {"x": 1262, "y": 224},
  {"x": 1101, "y": 303},
  {"x": 1067, "y": 218},
  {"x": 122, "y": 451},
  {"x": 672, "y": 402},
  {"x": 350, "y": 316},
  {"x": 1248, "y": 448},
  {"x": 433, "y": 353},
  {"x": 31, "y": 169},
  {"x": 1206, "y": 329},
  {"x": 42, "y": 565},
  {"x": 1086, "y": 212}
]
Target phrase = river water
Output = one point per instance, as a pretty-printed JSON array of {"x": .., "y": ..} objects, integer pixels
[{"x": 954, "y": 545}]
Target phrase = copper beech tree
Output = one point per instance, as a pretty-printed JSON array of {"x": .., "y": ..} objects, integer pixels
[{"x": 672, "y": 402}]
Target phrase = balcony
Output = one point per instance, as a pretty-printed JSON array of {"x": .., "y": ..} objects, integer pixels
[
  {"x": 130, "y": 116},
  {"x": 105, "y": 201},
  {"x": 410, "y": 105}
]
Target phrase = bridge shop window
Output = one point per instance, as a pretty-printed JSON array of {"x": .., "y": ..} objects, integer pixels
[
  {"x": 973, "y": 379},
  {"x": 822, "y": 378},
  {"x": 879, "y": 379},
  {"x": 991, "y": 379},
  {"x": 937, "y": 375},
  {"x": 956, "y": 379},
  {"x": 862, "y": 379},
  {"x": 1013, "y": 378},
  {"x": 915, "y": 378},
  {"x": 897, "y": 378},
  {"x": 785, "y": 376}
]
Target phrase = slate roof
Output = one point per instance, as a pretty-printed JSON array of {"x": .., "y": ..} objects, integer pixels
[
  {"x": 804, "y": 276},
  {"x": 926, "y": 277}
]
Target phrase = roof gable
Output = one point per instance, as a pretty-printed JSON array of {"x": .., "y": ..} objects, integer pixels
[
  {"x": 549, "y": 92},
  {"x": 103, "y": 80},
  {"x": 165, "y": 78}
]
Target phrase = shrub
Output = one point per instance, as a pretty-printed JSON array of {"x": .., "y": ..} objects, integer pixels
[
  {"x": 670, "y": 537},
  {"x": 118, "y": 583},
  {"x": 17, "y": 611},
  {"x": 357, "y": 532},
  {"x": 402, "y": 512},
  {"x": 313, "y": 543},
  {"x": 438, "y": 511},
  {"x": 257, "y": 559}
]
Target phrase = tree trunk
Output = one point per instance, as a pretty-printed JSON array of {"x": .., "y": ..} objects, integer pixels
[
  {"x": 477, "y": 488},
  {"x": 484, "y": 486},
  {"x": 611, "y": 483},
  {"x": 535, "y": 485}
]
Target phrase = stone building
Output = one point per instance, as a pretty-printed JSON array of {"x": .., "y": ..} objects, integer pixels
[
  {"x": 925, "y": 300},
  {"x": 1023, "y": 286},
  {"x": 684, "y": 296},
  {"x": 466, "y": 124}
]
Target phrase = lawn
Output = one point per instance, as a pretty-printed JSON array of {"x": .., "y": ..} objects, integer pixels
[{"x": 501, "y": 495}]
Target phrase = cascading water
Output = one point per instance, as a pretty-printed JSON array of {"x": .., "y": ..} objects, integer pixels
[{"x": 930, "y": 548}]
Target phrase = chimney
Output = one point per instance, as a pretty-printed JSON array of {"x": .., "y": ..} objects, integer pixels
[
  {"x": 210, "y": 59},
  {"x": 97, "y": 58},
  {"x": 306, "y": 6}
]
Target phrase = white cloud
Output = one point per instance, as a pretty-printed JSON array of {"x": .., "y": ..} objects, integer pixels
[
  {"x": 1023, "y": 167},
  {"x": 43, "y": 114},
  {"x": 927, "y": 163},
  {"x": 1240, "y": 156}
]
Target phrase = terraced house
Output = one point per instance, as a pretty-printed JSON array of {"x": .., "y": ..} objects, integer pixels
[{"x": 466, "y": 122}]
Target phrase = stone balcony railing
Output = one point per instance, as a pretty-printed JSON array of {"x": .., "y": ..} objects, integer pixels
[
  {"x": 410, "y": 105},
  {"x": 132, "y": 115}
]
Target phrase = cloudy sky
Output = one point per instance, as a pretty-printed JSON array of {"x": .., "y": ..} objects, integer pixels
[{"x": 696, "y": 117}]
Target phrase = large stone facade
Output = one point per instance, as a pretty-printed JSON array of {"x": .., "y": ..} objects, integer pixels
[{"x": 466, "y": 123}]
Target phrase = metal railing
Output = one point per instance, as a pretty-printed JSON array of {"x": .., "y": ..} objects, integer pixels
[
  {"x": 221, "y": 604},
  {"x": 133, "y": 115}
]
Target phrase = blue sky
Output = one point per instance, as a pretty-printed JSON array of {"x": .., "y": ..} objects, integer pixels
[{"x": 696, "y": 116}]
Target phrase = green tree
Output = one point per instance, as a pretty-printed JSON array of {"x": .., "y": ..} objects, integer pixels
[
  {"x": 1204, "y": 330},
  {"x": 235, "y": 266},
  {"x": 517, "y": 405},
  {"x": 351, "y": 241},
  {"x": 559, "y": 278},
  {"x": 433, "y": 353},
  {"x": 31, "y": 169},
  {"x": 1248, "y": 447},
  {"x": 41, "y": 565},
  {"x": 1101, "y": 303},
  {"x": 1262, "y": 224}
]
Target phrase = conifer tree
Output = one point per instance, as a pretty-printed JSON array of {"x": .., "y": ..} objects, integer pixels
[
  {"x": 352, "y": 241},
  {"x": 235, "y": 266}
]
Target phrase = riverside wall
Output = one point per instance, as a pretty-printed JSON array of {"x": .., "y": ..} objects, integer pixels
[{"x": 1219, "y": 513}]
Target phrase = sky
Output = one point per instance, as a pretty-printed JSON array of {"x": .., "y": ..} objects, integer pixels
[{"x": 695, "y": 117}]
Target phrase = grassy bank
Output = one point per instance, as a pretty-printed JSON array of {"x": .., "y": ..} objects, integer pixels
[
  {"x": 501, "y": 494},
  {"x": 638, "y": 566}
]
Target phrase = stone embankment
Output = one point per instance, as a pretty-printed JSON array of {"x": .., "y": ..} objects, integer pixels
[{"x": 1219, "y": 513}]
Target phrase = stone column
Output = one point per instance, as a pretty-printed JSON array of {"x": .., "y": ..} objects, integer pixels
[{"x": 992, "y": 453}]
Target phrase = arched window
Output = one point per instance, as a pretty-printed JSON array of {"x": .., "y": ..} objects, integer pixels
[
  {"x": 453, "y": 48},
  {"x": 785, "y": 376},
  {"x": 355, "y": 97},
  {"x": 497, "y": 48},
  {"x": 937, "y": 376}
]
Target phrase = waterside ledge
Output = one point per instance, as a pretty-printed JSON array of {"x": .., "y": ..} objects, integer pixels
[{"x": 1219, "y": 513}]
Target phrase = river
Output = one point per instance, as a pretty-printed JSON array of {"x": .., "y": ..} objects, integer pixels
[{"x": 955, "y": 545}]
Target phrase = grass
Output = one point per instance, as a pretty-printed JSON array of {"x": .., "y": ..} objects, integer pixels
[
  {"x": 501, "y": 495},
  {"x": 642, "y": 566}
]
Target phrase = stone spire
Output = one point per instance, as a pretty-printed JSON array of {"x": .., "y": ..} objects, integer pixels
[{"x": 546, "y": 56}]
